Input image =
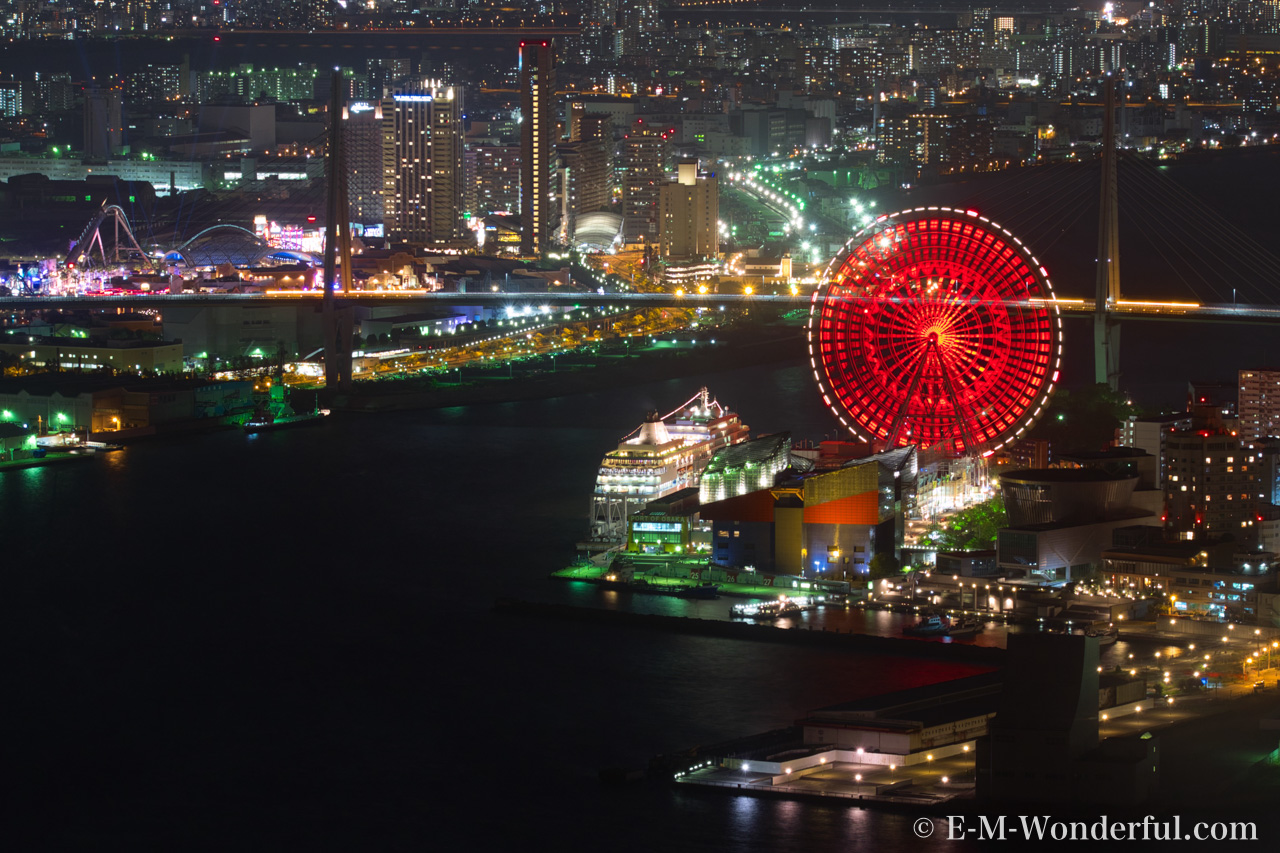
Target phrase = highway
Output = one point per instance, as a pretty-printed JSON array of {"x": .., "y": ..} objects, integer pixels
[{"x": 1129, "y": 309}]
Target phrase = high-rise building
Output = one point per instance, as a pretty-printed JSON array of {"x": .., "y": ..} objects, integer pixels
[
  {"x": 537, "y": 141},
  {"x": 587, "y": 162},
  {"x": 646, "y": 149},
  {"x": 422, "y": 163},
  {"x": 154, "y": 83},
  {"x": 385, "y": 72},
  {"x": 362, "y": 156},
  {"x": 638, "y": 26},
  {"x": 689, "y": 214},
  {"x": 103, "y": 123},
  {"x": 1211, "y": 485},
  {"x": 1259, "y": 403},
  {"x": 1151, "y": 434},
  {"x": 12, "y": 102},
  {"x": 492, "y": 179}
]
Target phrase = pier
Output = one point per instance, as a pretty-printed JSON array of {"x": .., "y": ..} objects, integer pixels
[{"x": 760, "y": 633}]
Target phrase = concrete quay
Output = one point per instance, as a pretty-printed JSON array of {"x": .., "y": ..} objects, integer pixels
[{"x": 750, "y": 631}]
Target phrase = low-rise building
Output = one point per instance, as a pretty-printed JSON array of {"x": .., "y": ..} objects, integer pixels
[
  {"x": 121, "y": 356},
  {"x": 1061, "y": 520},
  {"x": 16, "y": 441},
  {"x": 1185, "y": 574}
]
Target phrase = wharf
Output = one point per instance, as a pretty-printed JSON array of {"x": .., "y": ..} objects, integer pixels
[
  {"x": 919, "y": 787},
  {"x": 51, "y": 459},
  {"x": 669, "y": 585},
  {"x": 739, "y": 630}
]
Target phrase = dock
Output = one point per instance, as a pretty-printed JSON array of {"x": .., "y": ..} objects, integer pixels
[{"x": 739, "y": 630}]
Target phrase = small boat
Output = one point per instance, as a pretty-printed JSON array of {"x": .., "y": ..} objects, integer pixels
[
  {"x": 1104, "y": 635},
  {"x": 705, "y": 591},
  {"x": 767, "y": 611},
  {"x": 965, "y": 628},
  {"x": 930, "y": 625}
]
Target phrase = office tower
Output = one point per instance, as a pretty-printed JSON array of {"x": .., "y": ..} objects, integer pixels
[
  {"x": 690, "y": 212},
  {"x": 103, "y": 123},
  {"x": 645, "y": 150},
  {"x": 362, "y": 156},
  {"x": 422, "y": 163},
  {"x": 537, "y": 138}
]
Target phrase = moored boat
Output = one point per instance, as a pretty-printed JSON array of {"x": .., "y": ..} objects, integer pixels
[
  {"x": 268, "y": 422},
  {"x": 1104, "y": 634},
  {"x": 930, "y": 625},
  {"x": 965, "y": 628},
  {"x": 701, "y": 591}
]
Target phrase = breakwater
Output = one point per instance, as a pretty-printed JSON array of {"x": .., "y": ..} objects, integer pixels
[{"x": 761, "y": 633}]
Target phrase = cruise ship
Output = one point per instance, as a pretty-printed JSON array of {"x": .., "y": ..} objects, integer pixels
[{"x": 661, "y": 456}]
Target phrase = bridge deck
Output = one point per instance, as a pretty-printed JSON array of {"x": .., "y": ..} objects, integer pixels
[{"x": 1186, "y": 311}]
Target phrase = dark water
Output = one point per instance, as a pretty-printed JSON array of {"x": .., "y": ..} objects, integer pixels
[{"x": 287, "y": 639}]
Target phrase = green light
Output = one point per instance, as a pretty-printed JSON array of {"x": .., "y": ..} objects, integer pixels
[
  {"x": 62, "y": 418},
  {"x": 6, "y": 415}
]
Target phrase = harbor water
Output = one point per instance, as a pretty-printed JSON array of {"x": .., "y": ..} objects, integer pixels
[{"x": 288, "y": 638}]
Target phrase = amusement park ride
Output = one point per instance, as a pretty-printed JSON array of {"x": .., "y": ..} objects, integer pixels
[{"x": 938, "y": 327}]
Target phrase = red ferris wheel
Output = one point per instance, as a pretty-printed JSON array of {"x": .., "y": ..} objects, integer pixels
[{"x": 936, "y": 326}]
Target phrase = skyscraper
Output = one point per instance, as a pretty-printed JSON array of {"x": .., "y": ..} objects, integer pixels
[
  {"x": 362, "y": 152},
  {"x": 422, "y": 163},
  {"x": 537, "y": 139}
]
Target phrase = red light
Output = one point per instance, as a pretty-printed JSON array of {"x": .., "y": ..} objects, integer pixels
[
  {"x": 311, "y": 219},
  {"x": 217, "y": 38}
]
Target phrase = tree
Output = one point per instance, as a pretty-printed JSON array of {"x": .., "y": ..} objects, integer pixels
[
  {"x": 972, "y": 529},
  {"x": 1085, "y": 419},
  {"x": 884, "y": 565}
]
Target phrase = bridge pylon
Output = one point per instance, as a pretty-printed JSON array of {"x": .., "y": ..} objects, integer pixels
[
  {"x": 1106, "y": 327},
  {"x": 337, "y": 321}
]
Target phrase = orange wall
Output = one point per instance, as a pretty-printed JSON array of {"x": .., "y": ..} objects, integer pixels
[{"x": 863, "y": 508}]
